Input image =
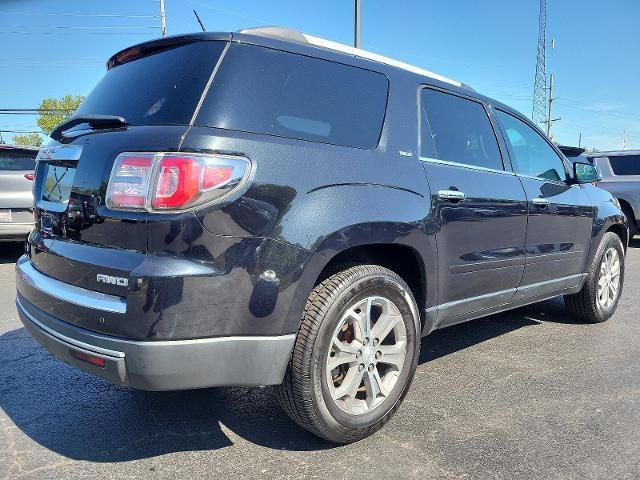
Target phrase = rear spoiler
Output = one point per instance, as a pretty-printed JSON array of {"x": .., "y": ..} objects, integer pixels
[
  {"x": 155, "y": 46},
  {"x": 94, "y": 121}
]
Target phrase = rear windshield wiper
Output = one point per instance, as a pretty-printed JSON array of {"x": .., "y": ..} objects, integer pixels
[{"x": 94, "y": 121}]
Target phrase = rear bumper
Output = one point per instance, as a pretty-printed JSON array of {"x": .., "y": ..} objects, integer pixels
[
  {"x": 147, "y": 365},
  {"x": 15, "y": 231},
  {"x": 163, "y": 365}
]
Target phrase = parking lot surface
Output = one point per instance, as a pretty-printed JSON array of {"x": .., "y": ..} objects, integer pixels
[{"x": 524, "y": 394}]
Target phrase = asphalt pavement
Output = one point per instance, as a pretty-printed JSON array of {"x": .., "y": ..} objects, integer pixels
[{"x": 525, "y": 394}]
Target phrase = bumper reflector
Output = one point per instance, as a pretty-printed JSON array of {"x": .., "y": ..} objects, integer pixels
[{"x": 97, "y": 361}]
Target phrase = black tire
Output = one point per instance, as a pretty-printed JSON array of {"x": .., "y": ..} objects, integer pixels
[
  {"x": 584, "y": 305},
  {"x": 304, "y": 392},
  {"x": 633, "y": 226}
]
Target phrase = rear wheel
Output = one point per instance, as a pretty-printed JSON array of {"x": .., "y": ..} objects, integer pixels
[
  {"x": 355, "y": 354},
  {"x": 598, "y": 299}
]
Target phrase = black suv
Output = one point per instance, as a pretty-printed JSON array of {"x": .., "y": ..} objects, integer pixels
[{"x": 270, "y": 208}]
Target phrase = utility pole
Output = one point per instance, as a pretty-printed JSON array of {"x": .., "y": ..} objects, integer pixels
[
  {"x": 356, "y": 33},
  {"x": 549, "y": 121},
  {"x": 624, "y": 140},
  {"x": 163, "y": 20},
  {"x": 550, "y": 103}
]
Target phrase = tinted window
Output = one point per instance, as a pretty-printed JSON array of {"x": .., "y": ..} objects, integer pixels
[
  {"x": 625, "y": 165},
  {"x": 161, "y": 88},
  {"x": 17, "y": 160},
  {"x": 457, "y": 130},
  {"x": 267, "y": 91},
  {"x": 533, "y": 155}
]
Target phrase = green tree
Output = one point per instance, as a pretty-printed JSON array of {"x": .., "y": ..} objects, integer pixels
[
  {"x": 64, "y": 107},
  {"x": 28, "y": 139}
]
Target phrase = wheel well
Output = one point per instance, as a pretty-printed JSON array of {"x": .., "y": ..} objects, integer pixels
[
  {"x": 621, "y": 231},
  {"x": 626, "y": 208},
  {"x": 401, "y": 259}
]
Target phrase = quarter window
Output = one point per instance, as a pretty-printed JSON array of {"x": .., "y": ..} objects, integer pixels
[
  {"x": 625, "y": 165},
  {"x": 266, "y": 91},
  {"x": 533, "y": 155},
  {"x": 457, "y": 130}
]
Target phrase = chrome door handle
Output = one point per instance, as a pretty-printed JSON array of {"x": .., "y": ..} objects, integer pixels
[
  {"x": 541, "y": 202},
  {"x": 452, "y": 195}
]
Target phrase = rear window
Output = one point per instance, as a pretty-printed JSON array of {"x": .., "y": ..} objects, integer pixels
[
  {"x": 266, "y": 91},
  {"x": 625, "y": 165},
  {"x": 162, "y": 88},
  {"x": 17, "y": 161}
]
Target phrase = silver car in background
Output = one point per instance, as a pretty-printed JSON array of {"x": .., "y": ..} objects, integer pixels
[
  {"x": 620, "y": 170},
  {"x": 17, "y": 165}
]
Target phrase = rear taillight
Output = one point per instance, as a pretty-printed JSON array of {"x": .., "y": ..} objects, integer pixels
[
  {"x": 169, "y": 181},
  {"x": 29, "y": 176}
]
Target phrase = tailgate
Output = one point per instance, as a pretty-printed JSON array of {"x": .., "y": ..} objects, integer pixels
[{"x": 76, "y": 236}]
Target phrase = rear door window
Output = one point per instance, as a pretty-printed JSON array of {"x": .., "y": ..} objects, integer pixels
[
  {"x": 625, "y": 165},
  {"x": 162, "y": 88},
  {"x": 455, "y": 129},
  {"x": 534, "y": 156},
  {"x": 266, "y": 91}
]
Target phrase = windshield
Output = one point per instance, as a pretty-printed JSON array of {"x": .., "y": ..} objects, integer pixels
[{"x": 162, "y": 88}]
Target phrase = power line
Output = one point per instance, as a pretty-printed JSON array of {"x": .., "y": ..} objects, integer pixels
[
  {"x": 69, "y": 33},
  {"x": 228, "y": 12},
  {"x": 2, "y": 130},
  {"x": 585, "y": 107},
  {"x": 83, "y": 27},
  {"x": 37, "y": 110},
  {"x": 99, "y": 15}
]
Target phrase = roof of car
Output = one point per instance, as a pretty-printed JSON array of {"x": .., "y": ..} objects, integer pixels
[
  {"x": 18, "y": 148},
  {"x": 272, "y": 36},
  {"x": 295, "y": 37},
  {"x": 615, "y": 153}
]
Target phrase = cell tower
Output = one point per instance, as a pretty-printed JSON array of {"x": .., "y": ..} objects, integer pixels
[{"x": 539, "y": 113}]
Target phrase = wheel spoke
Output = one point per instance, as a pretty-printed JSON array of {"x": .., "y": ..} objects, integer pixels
[
  {"x": 349, "y": 385},
  {"x": 343, "y": 353},
  {"x": 605, "y": 296},
  {"x": 373, "y": 387},
  {"x": 393, "y": 354},
  {"x": 385, "y": 324}
]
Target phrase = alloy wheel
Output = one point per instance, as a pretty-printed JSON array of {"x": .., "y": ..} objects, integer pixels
[
  {"x": 367, "y": 354},
  {"x": 609, "y": 279}
]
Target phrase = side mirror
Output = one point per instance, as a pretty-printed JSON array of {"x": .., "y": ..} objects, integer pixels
[{"x": 585, "y": 173}]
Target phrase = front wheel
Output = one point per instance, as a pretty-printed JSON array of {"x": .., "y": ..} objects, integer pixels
[
  {"x": 599, "y": 296},
  {"x": 355, "y": 354}
]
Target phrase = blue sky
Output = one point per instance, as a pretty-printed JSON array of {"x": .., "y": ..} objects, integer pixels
[{"x": 51, "y": 48}]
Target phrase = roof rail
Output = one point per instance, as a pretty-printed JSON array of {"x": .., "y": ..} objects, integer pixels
[{"x": 295, "y": 36}]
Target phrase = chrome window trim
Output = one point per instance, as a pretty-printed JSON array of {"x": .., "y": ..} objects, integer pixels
[
  {"x": 545, "y": 180},
  {"x": 70, "y": 293},
  {"x": 465, "y": 165}
]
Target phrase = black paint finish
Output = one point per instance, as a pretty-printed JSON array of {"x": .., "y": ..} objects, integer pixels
[{"x": 246, "y": 267}]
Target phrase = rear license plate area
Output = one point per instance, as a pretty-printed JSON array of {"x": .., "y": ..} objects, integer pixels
[
  {"x": 5, "y": 216},
  {"x": 57, "y": 185}
]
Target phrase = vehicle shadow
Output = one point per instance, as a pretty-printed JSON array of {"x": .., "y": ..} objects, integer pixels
[
  {"x": 634, "y": 242},
  {"x": 85, "y": 418},
  {"x": 10, "y": 252}
]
